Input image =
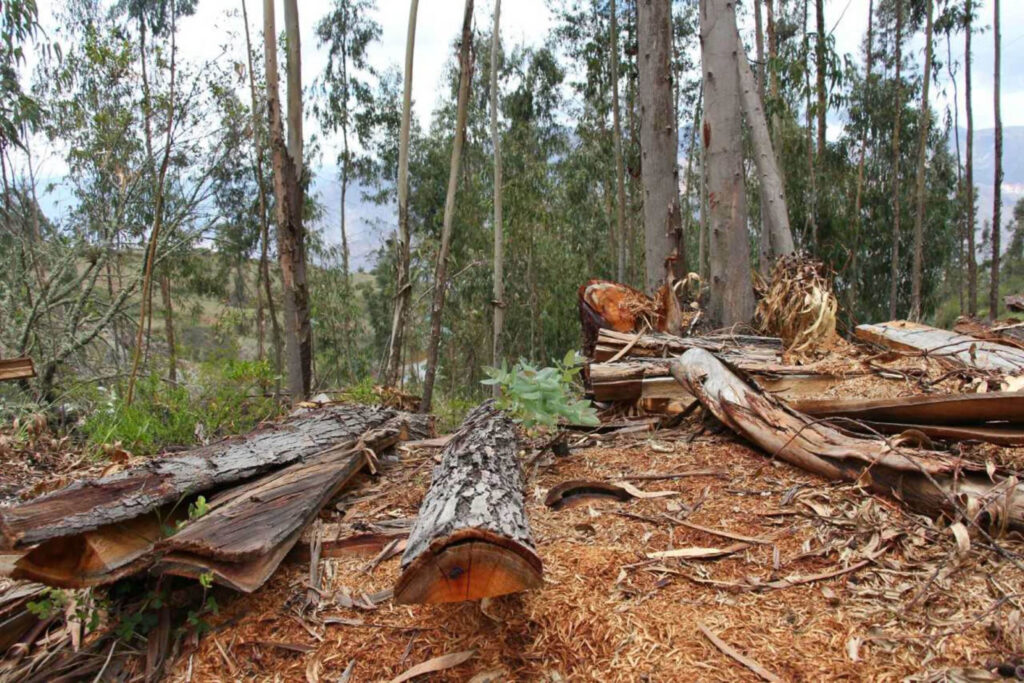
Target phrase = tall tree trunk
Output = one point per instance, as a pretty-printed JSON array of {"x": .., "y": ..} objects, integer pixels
[
  {"x": 775, "y": 216},
  {"x": 819, "y": 72},
  {"x": 922, "y": 157},
  {"x": 759, "y": 48},
  {"x": 499, "y": 235},
  {"x": 658, "y": 144},
  {"x": 264, "y": 264},
  {"x": 858, "y": 220},
  {"x": 620, "y": 172},
  {"x": 773, "y": 76},
  {"x": 158, "y": 206},
  {"x": 972, "y": 263},
  {"x": 287, "y": 165},
  {"x": 812, "y": 175},
  {"x": 703, "y": 268},
  {"x": 393, "y": 361},
  {"x": 732, "y": 293},
  {"x": 950, "y": 64},
  {"x": 896, "y": 181},
  {"x": 997, "y": 196},
  {"x": 172, "y": 354},
  {"x": 441, "y": 272}
]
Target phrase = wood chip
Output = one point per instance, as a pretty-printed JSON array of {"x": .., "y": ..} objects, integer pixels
[{"x": 697, "y": 553}]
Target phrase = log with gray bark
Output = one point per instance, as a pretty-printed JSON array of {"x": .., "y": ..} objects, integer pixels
[
  {"x": 471, "y": 539},
  {"x": 927, "y": 480},
  {"x": 246, "y": 535},
  {"x": 89, "y": 505}
]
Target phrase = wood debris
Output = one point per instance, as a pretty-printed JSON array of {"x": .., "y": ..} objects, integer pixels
[{"x": 16, "y": 368}]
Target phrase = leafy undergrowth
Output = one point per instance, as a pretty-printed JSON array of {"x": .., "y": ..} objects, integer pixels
[{"x": 216, "y": 400}]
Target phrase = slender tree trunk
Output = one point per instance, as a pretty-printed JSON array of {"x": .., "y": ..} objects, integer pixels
[
  {"x": 858, "y": 220},
  {"x": 499, "y": 235},
  {"x": 158, "y": 214},
  {"x": 774, "y": 212},
  {"x": 620, "y": 172},
  {"x": 732, "y": 293},
  {"x": 773, "y": 76},
  {"x": 972, "y": 263},
  {"x": 997, "y": 197},
  {"x": 922, "y": 158},
  {"x": 441, "y": 272},
  {"x": 172, "y": 354},
  {"x": 959, "y": 167},
  {"x": 705, "y": 211},
  {"x": 287, "y": 165},
  {"x": 819, "y": 72},
  {"x": 264, "y": 264},
  {"x": 658, "y": 144},
  {"x": 812, "y": 175},
  {"x": 896, "y": 180},
  {"x": 393, "y": 362},
  {"x": 759, "y": 48}
]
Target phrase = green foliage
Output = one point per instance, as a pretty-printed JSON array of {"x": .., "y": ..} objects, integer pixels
[
  {"x": 225, "y": 398},
  {"x": 51, "y": 601},
  {"x": 361, "y": 392},
  {"x": 541, "y": 397}
]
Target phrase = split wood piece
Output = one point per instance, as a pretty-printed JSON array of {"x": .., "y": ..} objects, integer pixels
[
  {"x": 264, "y": 519},
  {"x": 952, "y": 409},
  {"x": 88, "y": 505},
  {"x": 15, "y": 617},
  {"x": 741, "y": 350},
  {"x": 339, "y": 540},
  {"x": 929, "y": 481},
  {"x": 100, "y": 556},
  {"x": 16, "y": 368},
  {"x": 949, "y": 347},
  {"x": 472, "y": 539},
  {"x": 575, "y": 492},
  {"x": 1000, "y": 435}
]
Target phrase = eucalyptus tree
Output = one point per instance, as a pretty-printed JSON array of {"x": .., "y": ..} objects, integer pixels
[
  {"x": 922, "y": 158},
  {"x": 997, "y": 196}
]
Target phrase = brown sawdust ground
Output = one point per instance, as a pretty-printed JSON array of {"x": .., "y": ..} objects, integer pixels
[{"x": 608, "y": 613}]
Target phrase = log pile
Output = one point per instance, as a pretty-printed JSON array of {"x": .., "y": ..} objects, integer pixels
[{"x": 259, "y": 493}]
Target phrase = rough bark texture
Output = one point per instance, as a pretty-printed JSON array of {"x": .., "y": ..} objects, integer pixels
[
  {"x": 87, "y": 505},
  {"x": 287, "y": 166},
  {"x": 955, "y": 349},
  {"x": 732, "y": 292},
  {"x": 922, "y": 157},
  {"x": 926, "y": 480},
  {"x": 441, "y": 271},
  {"x": 997, "y": 183},
  {"x": 393, "y": 363},
  {"x": 774, "y": 214},
  {"x": 659, "y": 143},
  {"x": 475, "y": 500}
]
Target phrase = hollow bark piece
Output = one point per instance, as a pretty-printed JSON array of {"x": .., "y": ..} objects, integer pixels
[
  {"x": 577, "y": 491},
  {"x": 927, "y": 480},
  {"x": 471, "y": 539},
  {"x": 950, "y": 347},
  {"x": 953, "y": 409},
  {"x": 88, "y": 505}
]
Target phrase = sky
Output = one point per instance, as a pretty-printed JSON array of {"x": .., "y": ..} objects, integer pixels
[{"x": 217, "y": 25}]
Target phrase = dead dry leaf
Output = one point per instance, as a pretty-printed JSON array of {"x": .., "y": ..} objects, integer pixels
[{"x": 436, "y": 664}]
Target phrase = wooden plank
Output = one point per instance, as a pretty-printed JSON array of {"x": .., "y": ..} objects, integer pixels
[
  {"x": 88, "y": 505},
  {"x": 928, "y": 480},
  {"x": 16, "y": 368},
  {"x": 667, "y": 388},
  {"x": 952, "y": 409},
  {"x": 952, "y": 348},
  {"x": 471, "y": 539}
]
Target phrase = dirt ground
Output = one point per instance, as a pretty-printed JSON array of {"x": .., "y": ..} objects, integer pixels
[{"x": 911, "y": 603}]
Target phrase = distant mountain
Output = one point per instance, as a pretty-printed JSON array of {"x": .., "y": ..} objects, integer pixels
[
  {"x": 367, "y": 223},
  {"x": 985, "y": 169}
]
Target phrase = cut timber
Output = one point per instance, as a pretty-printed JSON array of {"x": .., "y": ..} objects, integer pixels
[
  {"x": 927, "y": 480},
  {"x": 88, "y": 505},
  {"x": 472, "y": 539},
  {"x": 744, "y": 351},
  {"x": 244, "y": 539},
  {"x": 17, "y": 368},
  {"x": 950, "y": 347},
  {"x": 952, "y": 409}
]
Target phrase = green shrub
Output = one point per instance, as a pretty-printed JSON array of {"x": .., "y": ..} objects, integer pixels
[{"x": 542, "y": 396}]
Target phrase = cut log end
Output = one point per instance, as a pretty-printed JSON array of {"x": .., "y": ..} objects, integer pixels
[{"x": 471, "y": 564}]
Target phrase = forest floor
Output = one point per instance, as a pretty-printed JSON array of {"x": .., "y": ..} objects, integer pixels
[{"x": 834, "y": 582}]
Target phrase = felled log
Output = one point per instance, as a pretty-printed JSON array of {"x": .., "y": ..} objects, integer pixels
[
  {"x": 245, "y": 538},
  {"x": 744, "y": 351},
  {"x": 927, "y": 480},
  {"x": 605, "y": 304},
  {"x": 16, "y": 368},
  {"x": 946, "y": 409},
  {"x": 89, "y": 505},
  {"x": 954, "y": 349},
  {"x": 471, "y": 539}
]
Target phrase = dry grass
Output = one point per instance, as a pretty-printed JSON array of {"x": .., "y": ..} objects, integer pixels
[
  {"x": 799, "y": 306},
  {"x": 608, "y": 613}
]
